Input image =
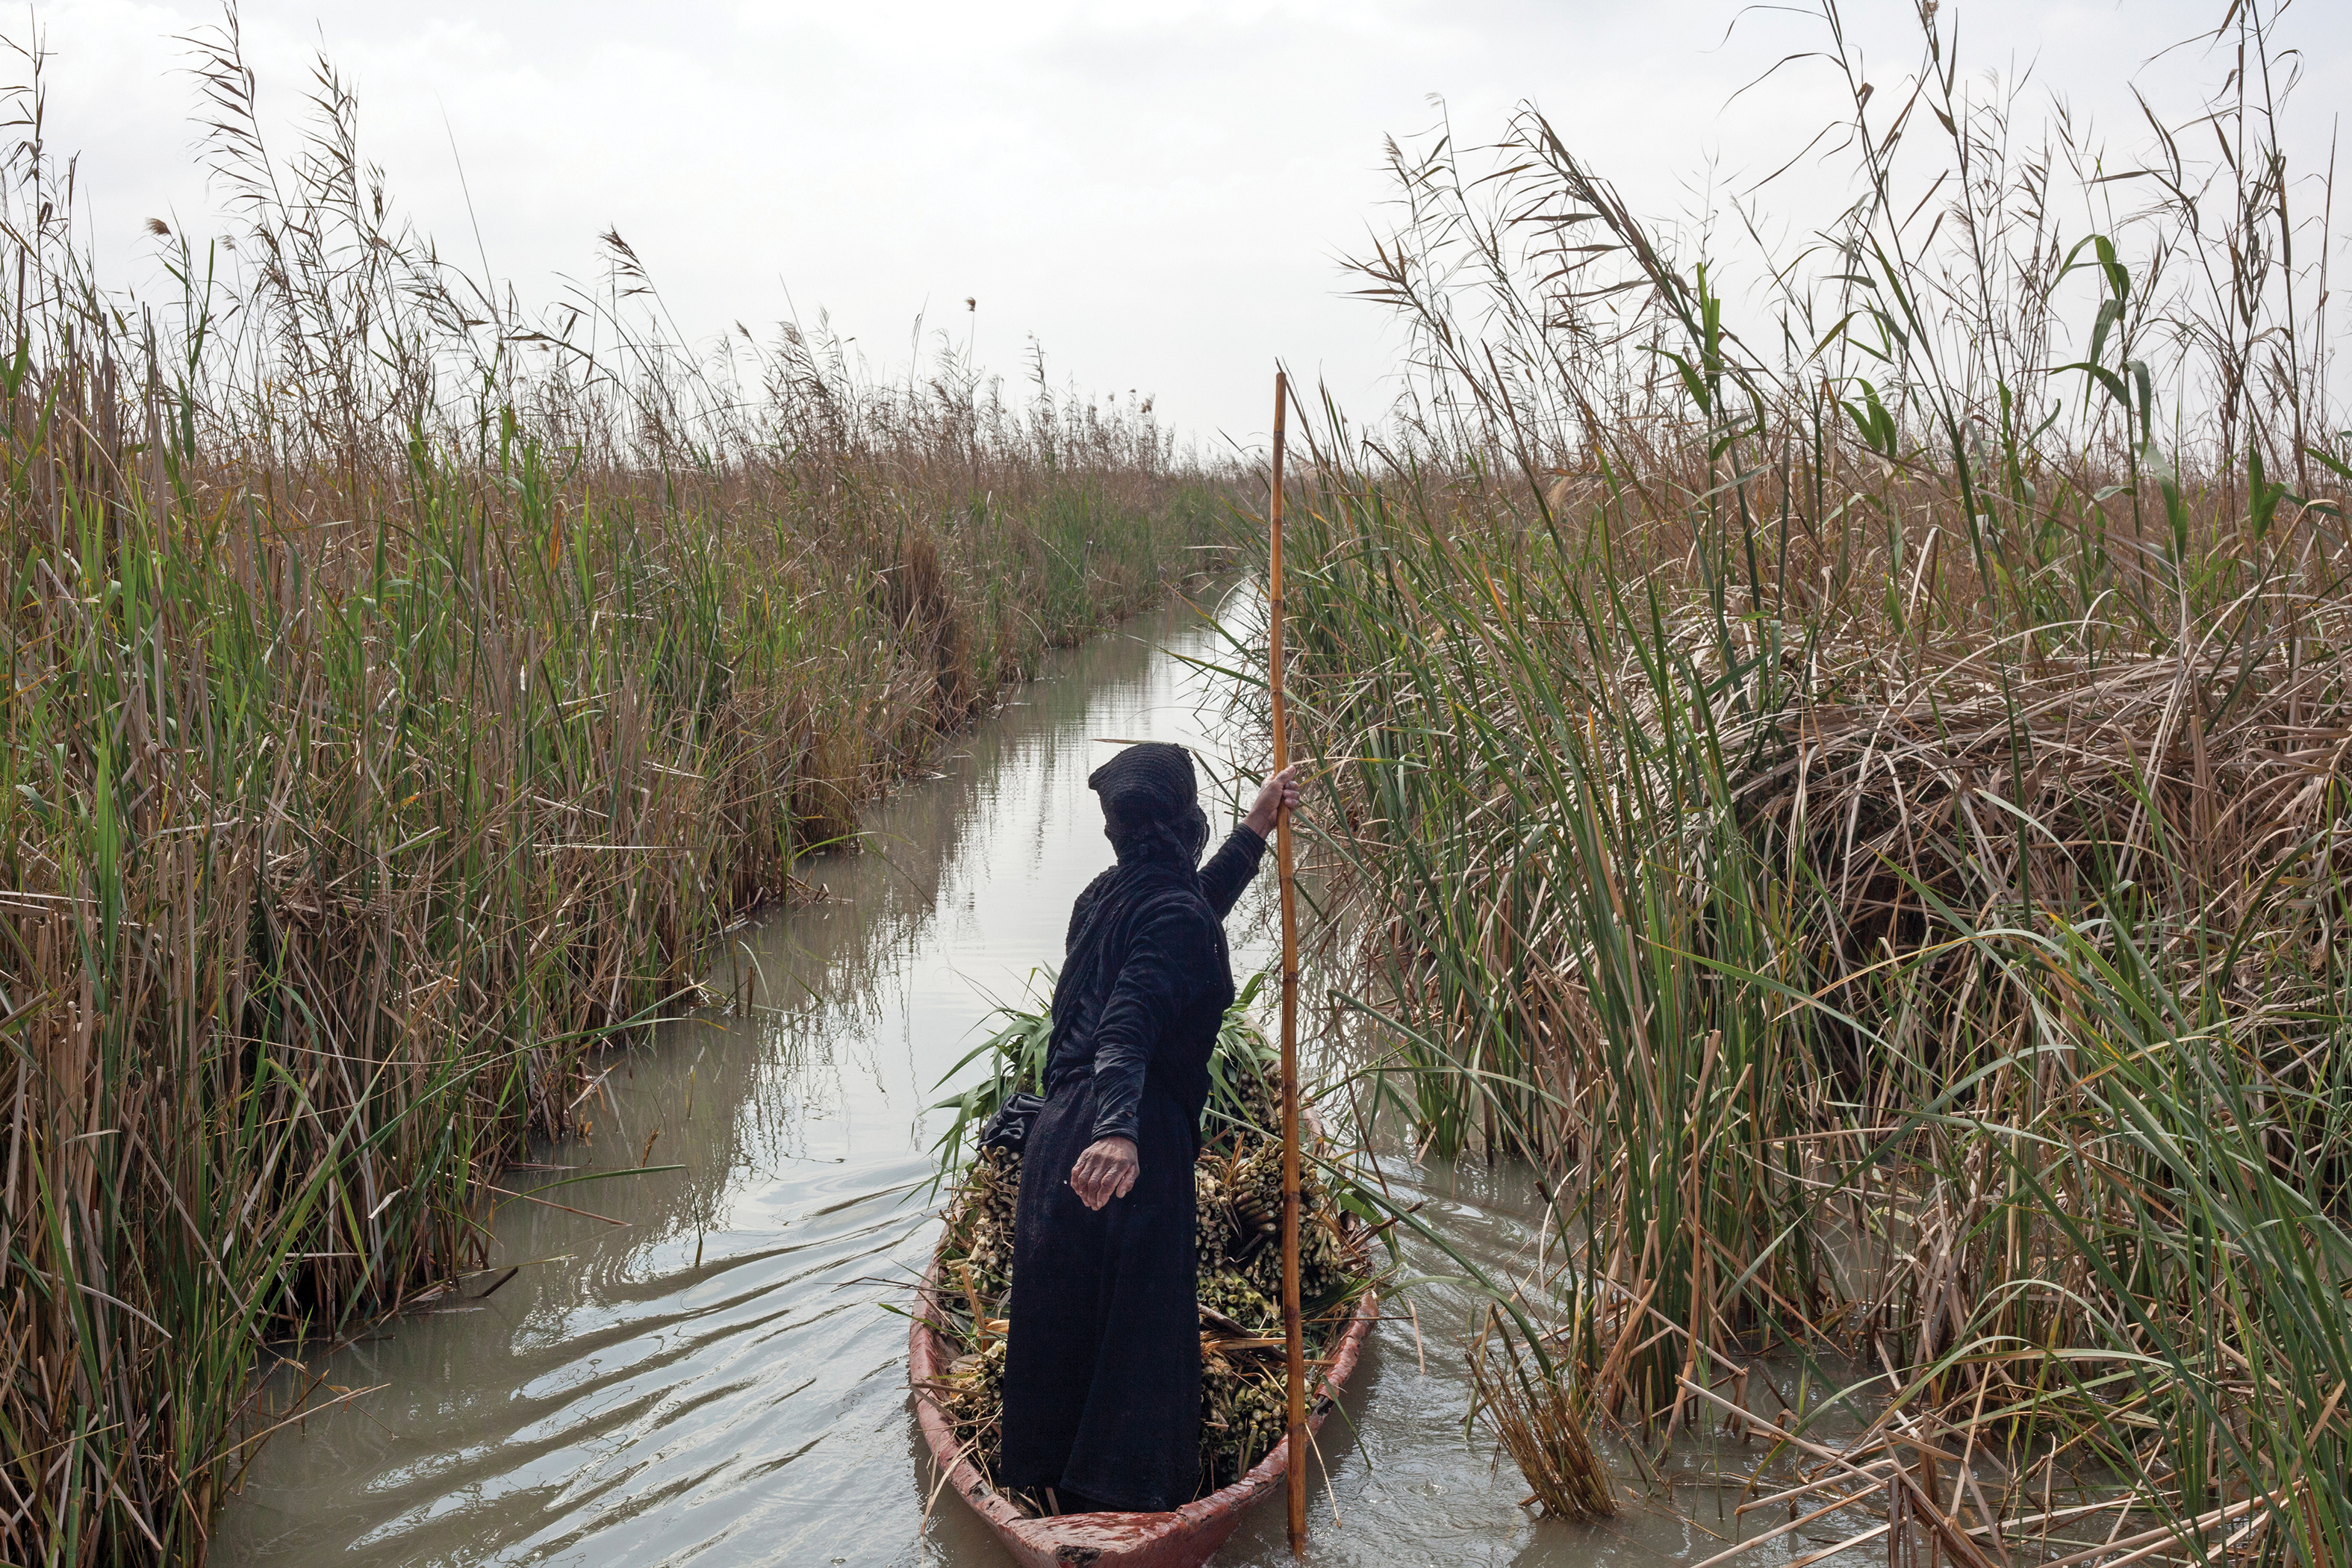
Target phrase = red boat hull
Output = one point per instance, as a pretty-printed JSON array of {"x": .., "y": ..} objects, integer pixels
[{"x": 1182, "y": 1539}]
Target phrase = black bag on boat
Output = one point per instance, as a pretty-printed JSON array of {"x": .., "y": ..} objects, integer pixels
[{"x": 1009, "y": 1128}]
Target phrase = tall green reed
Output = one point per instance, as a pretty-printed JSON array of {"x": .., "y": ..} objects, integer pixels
[
  {"x": 1859, "y": 811},
  {"x": 401, "y": 700}
]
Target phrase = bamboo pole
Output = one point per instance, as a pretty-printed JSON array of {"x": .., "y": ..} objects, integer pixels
[{"x": 1293, "y": 1341}]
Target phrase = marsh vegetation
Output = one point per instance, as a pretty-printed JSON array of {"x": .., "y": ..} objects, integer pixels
[
  {"x": 1848, "y": 776},
  {"x": 1838, "y": 764},
  {"x": 405, "y": 690}
]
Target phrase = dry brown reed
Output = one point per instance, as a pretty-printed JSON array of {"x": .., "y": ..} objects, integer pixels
[
  {"x": 402, "y": 696},
  {"x": 1866, "y": 814},
  {"x": 1539, "y": 1419}
]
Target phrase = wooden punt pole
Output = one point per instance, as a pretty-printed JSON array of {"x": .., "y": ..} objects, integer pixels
[{"x": 1293, "y": 1341}]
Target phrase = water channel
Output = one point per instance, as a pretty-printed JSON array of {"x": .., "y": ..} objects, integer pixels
[{"x": 716, "y": 1380}]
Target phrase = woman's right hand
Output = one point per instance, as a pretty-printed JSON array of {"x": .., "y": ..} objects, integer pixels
[
  {"x": 1280, "y": 793},
  {"x": 1105, "y": 1171}
]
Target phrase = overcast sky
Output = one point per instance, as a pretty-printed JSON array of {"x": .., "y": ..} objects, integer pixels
[{"x": 1157, "y": 191}]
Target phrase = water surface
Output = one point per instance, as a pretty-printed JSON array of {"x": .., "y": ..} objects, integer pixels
[{"x": 716, "y": 1380}]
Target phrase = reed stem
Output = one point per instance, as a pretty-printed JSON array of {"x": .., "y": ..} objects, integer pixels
[{"x": 1292, "y": 1338}]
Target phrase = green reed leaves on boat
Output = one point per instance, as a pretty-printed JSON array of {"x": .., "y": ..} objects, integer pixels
[
  {"x": 1238, "y": 1184},
  {"x": 1015, "y": 1055}
]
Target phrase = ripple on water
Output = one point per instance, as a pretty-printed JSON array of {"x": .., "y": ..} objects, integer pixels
[{"x": 628, "y": 1405}]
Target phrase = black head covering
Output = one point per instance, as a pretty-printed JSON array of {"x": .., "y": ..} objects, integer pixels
[
  {"x": 1152, "y": 816},
  {"x": 1151, "y": 804}
]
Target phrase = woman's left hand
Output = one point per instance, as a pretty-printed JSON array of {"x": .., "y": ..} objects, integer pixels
[{"x": 1105, "y": 1171}]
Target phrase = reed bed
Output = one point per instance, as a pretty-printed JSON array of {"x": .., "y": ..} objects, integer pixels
[
  {"x": 1861, "y": 803},
  {"x": 403, "y": 694}
]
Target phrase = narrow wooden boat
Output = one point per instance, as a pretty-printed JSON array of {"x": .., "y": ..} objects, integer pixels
[{"x": 1182, "y": 1539}]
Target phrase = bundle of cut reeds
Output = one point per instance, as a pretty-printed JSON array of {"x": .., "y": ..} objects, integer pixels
[{"x": 1238, "y": 1184}]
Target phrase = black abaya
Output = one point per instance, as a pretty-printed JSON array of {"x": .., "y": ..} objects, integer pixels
[{"x": 1102, "y": 1380}]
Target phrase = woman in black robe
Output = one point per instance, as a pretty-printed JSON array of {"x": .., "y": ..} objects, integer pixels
[{"x": 1102, "y": 1378}]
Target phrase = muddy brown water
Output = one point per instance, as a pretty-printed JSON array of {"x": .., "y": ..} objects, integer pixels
[{"x": 718, "y": 1381}]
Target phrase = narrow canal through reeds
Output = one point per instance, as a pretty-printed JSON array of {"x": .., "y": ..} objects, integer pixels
[{"x": 716, "y": 1380}]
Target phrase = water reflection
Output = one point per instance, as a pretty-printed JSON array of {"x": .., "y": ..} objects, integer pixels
[{"x": 715, "y": 1378}]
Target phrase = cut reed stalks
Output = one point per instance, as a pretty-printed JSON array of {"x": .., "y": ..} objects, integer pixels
[{"x": 1538, "y": 1418}]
